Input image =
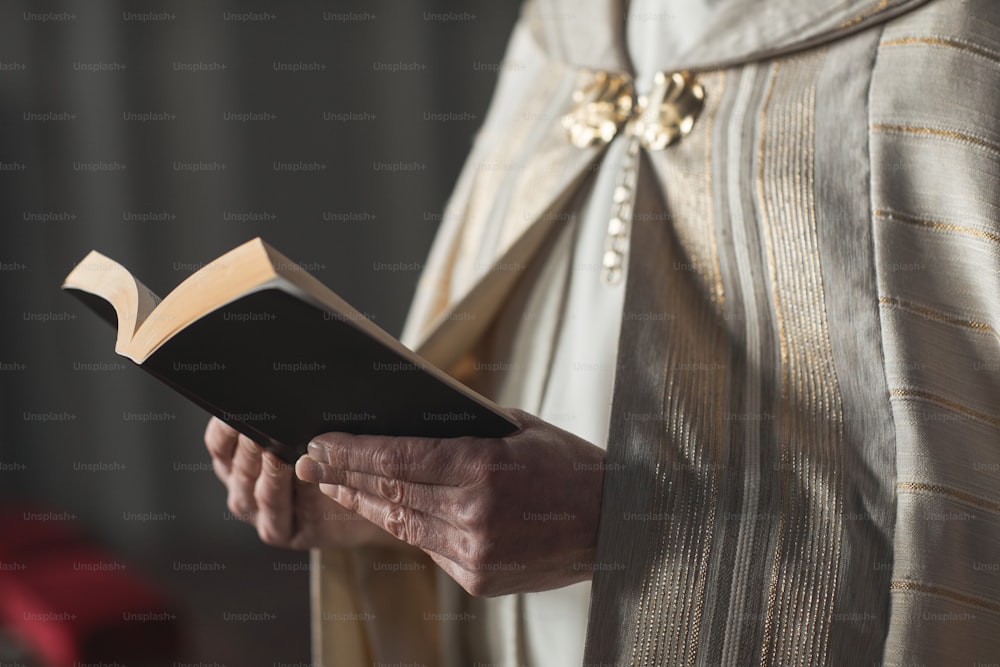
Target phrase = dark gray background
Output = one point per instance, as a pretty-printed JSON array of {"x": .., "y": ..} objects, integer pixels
[{"x": 43, "y": 70}]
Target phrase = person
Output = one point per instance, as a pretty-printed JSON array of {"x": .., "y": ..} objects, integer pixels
[{"x": 741, "y": 260}]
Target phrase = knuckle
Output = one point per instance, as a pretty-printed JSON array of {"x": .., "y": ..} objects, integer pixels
[
  {"x": 471, "y": 554},
  {"x": 397, "y": 523},
  {"x": 244, "y": 468},
  {"x": 269, "y": 534},
  {"x": 466, "y": 515},
  {"x": 263, "y": 495},
  {"x": 275, "y": 467},
  {"x": 217, "y": 451},
  {"x": 240, "y": 475},
  {"x": 391, "y": 489},
  {"x": 239, "y": 507},
  {"x": 248, "y": 446},
  {"x": 479, "y": 519},
  {"x": 474, "y": 521},
  {"x": 265, "y": 534},
  {"x": 388, "y": 461}
]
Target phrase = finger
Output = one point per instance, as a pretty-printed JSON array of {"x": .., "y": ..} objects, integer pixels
[
  {"x": 274, "y": 498},
  {"x": 444, "y": 502},
  {"x": 220, "y": 440},
  {"x": 450, "y": 461},
  {"x": 243, "y": 478},
  {"x": 405, "y": 524}
]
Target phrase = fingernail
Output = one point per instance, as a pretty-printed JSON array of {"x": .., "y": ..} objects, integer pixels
[
  {"x": 309, "y": 470},
  {"x": 319, "y": 452}
]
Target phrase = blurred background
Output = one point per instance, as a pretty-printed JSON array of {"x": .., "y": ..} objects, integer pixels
[{"x": 163, "y": 134}]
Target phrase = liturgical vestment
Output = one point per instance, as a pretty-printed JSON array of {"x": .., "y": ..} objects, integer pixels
[{"x": 798, "y": 213}]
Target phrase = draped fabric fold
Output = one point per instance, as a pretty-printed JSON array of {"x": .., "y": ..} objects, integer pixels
[{"x": 802, "y": 457}]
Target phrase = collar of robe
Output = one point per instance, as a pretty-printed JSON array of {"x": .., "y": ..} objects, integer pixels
[
  {"x": 644, "y": 55},
  {"x": 643, "y": 37}
]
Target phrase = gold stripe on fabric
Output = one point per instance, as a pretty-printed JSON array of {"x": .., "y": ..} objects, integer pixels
[
  {"x": 867, "y": 13},
  {"x": 933, "y": 314},
  {"x": 718, "y": 295},
  {"x": 772, "y": 594},
  {"x": 806, "y": 562},
  {"x": 966, "y": 139},
  {"x": 694, "y": 374},
  {"x": 947, "y": 403},
  {"x": 941, "y": 490},
  {"x": 937, "y": 225},
  {"x": 937, "y": 132},
  {"x": 689, "y": 185},
  {"x": 902, "y": 585},
  {"x": 946, "y": 42}
]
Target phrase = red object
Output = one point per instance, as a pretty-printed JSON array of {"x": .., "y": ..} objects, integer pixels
[{"x": 71, "y": 602}]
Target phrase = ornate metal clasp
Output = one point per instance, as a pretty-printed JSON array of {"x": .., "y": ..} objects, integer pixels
[
  {"x": 607, "y": 104},
  {"x": 669, "y": 111},
  {"x": 602, "y": 108}
]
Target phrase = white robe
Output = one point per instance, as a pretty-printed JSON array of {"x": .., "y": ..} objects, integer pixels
[{"x": 802, "y": 449}]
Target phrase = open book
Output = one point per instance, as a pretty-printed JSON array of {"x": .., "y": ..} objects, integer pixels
[{"x": 263, "y": 345}]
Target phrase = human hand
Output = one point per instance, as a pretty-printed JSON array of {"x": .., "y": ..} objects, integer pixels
[
  {"x": 285, "y": 511},
  {"x": 500, "y": 516}
]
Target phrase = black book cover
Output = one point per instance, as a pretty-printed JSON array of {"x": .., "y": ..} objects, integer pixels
[{"x": 282, "y": 370}]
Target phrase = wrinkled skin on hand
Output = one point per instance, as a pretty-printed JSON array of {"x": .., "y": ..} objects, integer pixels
[{"x": 500, "y": 516}]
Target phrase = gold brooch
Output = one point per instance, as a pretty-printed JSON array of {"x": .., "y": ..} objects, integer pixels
[
  {"x": 607, "y": 104},
  {"x": 602, "y": 107},
  {"x": 652, "y": 121},
  {"x": 669, "y": 111}
]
